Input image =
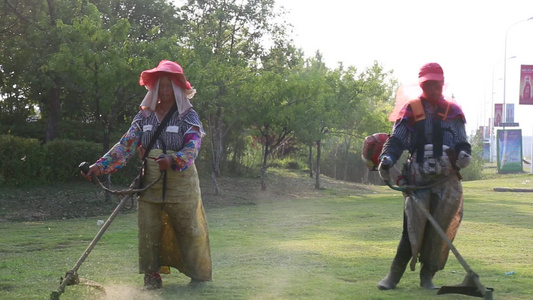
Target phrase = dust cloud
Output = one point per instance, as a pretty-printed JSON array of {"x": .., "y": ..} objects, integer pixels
[{"x": 125, "y": 292}]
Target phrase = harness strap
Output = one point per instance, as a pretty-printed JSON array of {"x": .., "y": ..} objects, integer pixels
[
  {"x": 164, "y": 191},
  {"x": 437, "y": 138},
  {"x": 158, "y": 131},
  {"x": 420, "y": 129},
  {"x": 418, "y": 109},
  {"x": 419, "y": 115},
  {"x": 445, "y": 113}
]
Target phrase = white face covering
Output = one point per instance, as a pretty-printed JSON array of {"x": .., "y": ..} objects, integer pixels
[{"x": 182, "y": 98}]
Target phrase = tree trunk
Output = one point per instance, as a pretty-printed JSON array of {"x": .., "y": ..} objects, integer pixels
[
  {"x": 106, "y": 146},
  {"x": 106, "y": 142},
  {"x": 346, "y": 162},
  {"x": 318, "y": 153},
  {"x": 215, "y": 183},
  {"x": 236, "y": 159},
  {"x": 335, "y": 162},
  {"x": 310, "y": 160},
  {"x": 219, "y": 129},
  {"x": 107, "y": 184},
  {"x": 264, "y": 166},
  {"x": 366, "y": 173},
  {"x": 215, "y": 129},
  {"x": 53, "y": 106}
]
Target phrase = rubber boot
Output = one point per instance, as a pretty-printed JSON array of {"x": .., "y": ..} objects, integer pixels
[
  {"x": 196, "y": 282},
  {"x": 399, "y": 263},
  {"x": 152, "y": 281},
  {"x": 426, "y": 278}
]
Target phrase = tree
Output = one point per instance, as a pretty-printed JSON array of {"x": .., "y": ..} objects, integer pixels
[
  {"x": 31, "y": 37},
  {"x": 149, "y": 20},
  {"x": 315, "y": 107},
  {"x": 270, "y": 114},
  {"x": 227, "y": 39},
  {"x": 61, "y": 49},
  {"x": 98, "y": 69},
  {"x": 363, "y": 103}
]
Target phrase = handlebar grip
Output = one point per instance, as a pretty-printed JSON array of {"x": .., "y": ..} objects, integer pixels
[{"x": 84, "y": 167}]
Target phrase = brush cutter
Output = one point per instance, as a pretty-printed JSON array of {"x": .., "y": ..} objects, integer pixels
[
  {"x": 471, "y": 285},
  {"x": 71, "y": 277}
]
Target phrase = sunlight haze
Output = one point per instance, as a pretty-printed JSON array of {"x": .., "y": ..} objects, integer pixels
[{"x": 466, "y": 37}]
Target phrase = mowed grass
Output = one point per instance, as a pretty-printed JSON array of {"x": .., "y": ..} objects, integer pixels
[{"x": 336, "y": 244}]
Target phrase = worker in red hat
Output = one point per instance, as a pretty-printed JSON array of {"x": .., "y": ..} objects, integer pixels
[
  {"x": 167, "y": 134},
  {"x": 432, "y": 130}
]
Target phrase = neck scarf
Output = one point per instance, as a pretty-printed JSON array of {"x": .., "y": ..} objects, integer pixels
[{"x": 181, "y": 96}]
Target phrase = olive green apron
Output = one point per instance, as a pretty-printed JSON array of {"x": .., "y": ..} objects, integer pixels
[{"x": 173, "y": 232}]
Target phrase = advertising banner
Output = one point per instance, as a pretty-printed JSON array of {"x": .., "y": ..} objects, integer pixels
[
  {"x": 486, "y": 133},
  {"x": 509, "y": 112},
  {"x": 526, "y": 81},
  {"x": 498, "y": 113},
  {"x": 509, "y": 151},
  {"x": 486, "y": 151}
]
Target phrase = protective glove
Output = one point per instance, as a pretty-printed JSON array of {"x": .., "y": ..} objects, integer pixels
[
  {"x": 384, "y": 167},
  {"x": 401, "y": 181},
  {"x": 93, "y": 169},
  {"x": 463, "y": 160}
]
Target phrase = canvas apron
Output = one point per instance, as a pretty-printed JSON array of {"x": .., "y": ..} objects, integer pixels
[
  {"x": 173, "y": 233},
  {"x": 444, "y": 201}
]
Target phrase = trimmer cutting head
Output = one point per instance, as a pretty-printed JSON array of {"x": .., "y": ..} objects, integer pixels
[{"x": 471, "y": 286}]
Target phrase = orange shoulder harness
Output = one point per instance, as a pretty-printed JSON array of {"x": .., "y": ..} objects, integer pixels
[{"x": 418, "y": 110}]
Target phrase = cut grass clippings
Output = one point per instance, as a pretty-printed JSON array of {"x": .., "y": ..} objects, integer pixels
[{"x": 333, "y": 244}]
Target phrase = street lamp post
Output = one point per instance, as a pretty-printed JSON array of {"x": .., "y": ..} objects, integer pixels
[
  {"x": 493, "y": 125},
  {"x": 504, "y": 109}
]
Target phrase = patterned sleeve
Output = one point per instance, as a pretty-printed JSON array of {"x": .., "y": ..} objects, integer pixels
[
  {"x": 121, "y": 152},
  {"x": 460, "y": 139},
  {"x": 399, "y": 140},
  {"x": 186, "y": 156},
  {"x": 193, "y": 119}
]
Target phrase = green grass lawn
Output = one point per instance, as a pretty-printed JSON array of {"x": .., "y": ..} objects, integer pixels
[{"x": 334, "y": 245}]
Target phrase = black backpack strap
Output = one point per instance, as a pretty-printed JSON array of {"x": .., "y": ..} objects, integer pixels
[
  {"x": 437, "y": 138},
  {"x": 420, "y": 129},
  {"x": 158, "y": 131},
  {"x": 154, "y": 138},
  {"x": 164, "y": 190}
]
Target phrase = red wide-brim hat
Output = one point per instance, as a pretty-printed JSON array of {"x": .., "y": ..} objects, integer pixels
[{"x": 149, "y": 77}]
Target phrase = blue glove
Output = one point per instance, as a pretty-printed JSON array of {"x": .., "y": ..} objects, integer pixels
[
  {"x": 385, "y": 164},
  {"x": 463, "y": 160}
]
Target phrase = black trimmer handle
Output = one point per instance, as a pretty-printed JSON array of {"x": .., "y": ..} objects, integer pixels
[{"x": 84, "y": 167}]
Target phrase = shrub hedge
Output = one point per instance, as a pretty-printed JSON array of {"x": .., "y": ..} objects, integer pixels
[
  {"x": 25, "y": 161},
  {"x": 21, "y": 160}
]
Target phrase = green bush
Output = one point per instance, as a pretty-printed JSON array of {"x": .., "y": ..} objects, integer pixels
[
  {"x": 34, "y": 130},
  {"x": 21, "y": 161},
  {"x": 292, "y": 165},
  {"x": 25, "y": 161},
  {"x": 68, "y": 130},
  {"x": 71, "y": 130},
  {"x": 475, "y": 170},
  {"x": 62, "y": 158}
]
